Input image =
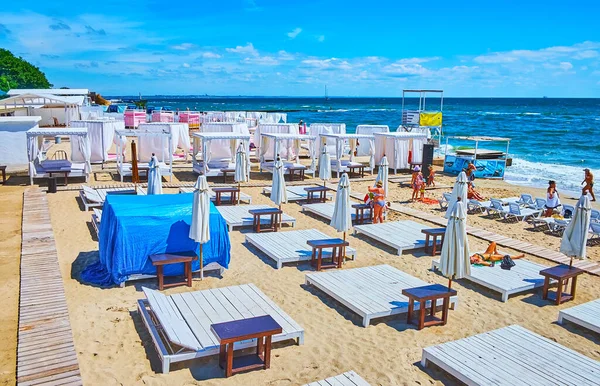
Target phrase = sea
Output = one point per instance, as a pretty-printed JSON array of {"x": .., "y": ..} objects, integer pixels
[{"x": 550, "y": 138}]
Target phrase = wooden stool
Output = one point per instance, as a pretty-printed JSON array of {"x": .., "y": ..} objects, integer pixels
[
  {"x": 163, "y": 259},
  {"x": 337, "y": 253},
  {"x": 261, "y": 328},
  {"x": 422, "y": 295},
  {"x": 232, "y": 199},
  {"x": 561, "y": 273},
  {"x": 275, "y": 214},
  {"x": 434, "y": 233}
]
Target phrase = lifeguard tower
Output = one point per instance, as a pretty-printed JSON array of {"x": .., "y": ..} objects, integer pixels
[{"x": 417, "y": 118}]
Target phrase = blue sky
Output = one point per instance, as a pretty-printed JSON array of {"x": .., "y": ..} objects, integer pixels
[{"x": 295, "y": 48}]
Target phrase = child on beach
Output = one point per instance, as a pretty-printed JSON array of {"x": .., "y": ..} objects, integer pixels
[
  {"x": 418, "y": 184},
  {"x": 431, "y": 176}
]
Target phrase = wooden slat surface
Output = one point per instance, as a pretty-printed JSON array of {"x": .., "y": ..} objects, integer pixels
[
  {"x": 586, "y": 315},
  {"x": 512, "y": 355},
  {"x": 244, "y": 197},
  {"x": 296, "y": 192},
  {"x": 325, "y": 210},
  {"x": 45, "y": 352},
  {"x": 349, "y": 378},
  {"x": 401, "y": 235},
  {"x": 238, "y": 216}
]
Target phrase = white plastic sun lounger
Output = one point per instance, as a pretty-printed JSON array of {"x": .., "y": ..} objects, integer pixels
[
  {"x": 180, "y": 324},
  {"x": 325, "y": 210},
  {"x": 511, "y": 356},
  {"x": 524, "y": 276},
  {"x": 371, "y": 292},
  {"x": 586, "y": 315},
  {"x": 290, "y": 246},
  {"x": 296, "y": 192},
  {"x": 349, "y": 378},
  {"x": 94, "y": 198},
  {"x": 520, "y": 214},
  {"x": 400, "y": 235},
  {"x": 237, "y": 216},
  {"x": 96, "y": 218},
  {"x": 244, "y": 197}
]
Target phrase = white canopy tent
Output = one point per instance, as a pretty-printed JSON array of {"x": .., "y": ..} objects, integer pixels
[
  {"x": 101, "y": 133},
  {"x": 317, "y": 129},
  {"x": 342, "y": 142},
  {"x": 80, "y": 165},
  {"x": 205, "y": 145},
  {"x": 180, "y": 134},
  {"x": 13, "y": 139},
  {"x": 396, "y": 146},
  {"x": 52, "y": 108},
  {"x": 289, "y": 144},
  {"x": 363, "y": 149},
  {"x": 158, "y": 142},
  {"x": 274, "y": 128}
]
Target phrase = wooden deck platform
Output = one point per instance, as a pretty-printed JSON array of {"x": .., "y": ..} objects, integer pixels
[
  {"x": 244, "y": 197},
  {"x": 45, "y": 350},
  {"x": 325, "y": 210},
  {"x": 184, "y": 320},
  {"x": 586, "y": 315},
  {"x": 511, "y": 356},
  {"x": 524, "y": 276},
  {"x": 290, "y": 246},
  {"x": 371, "y": 292},
  {"x": 238, "y": 216},
  {"x": 400, "y": 235},
  {"x": 349, "y": 378},
  {"x": 296, "y": 192}
]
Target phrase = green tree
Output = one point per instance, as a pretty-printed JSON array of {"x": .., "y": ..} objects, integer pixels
[{"x": 18, "y": 73}]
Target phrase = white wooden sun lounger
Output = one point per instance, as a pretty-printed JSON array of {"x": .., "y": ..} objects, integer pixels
[
  {"x": 96, "y": 218},
  {"x": 325, "y": 210},
  {"x": 511, "y": 356},
  {"x": 244, "y": 197},
  {"x": 289, "y": 247},
  {"x": 94, "y": 198},
  {"x": 180, "y": 324},
  {"x": 371, "y": 292},
  {"x": 238, "y": 216},
  {"x": 349, "y": 378},
  {"x": 586, "y": 315},
  {"x": 400, "y": 235},
  {"x": 524, "y": 276},
  {"x": 296, "y": 192}
]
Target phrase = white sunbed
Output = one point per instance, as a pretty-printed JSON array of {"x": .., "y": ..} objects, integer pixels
[
  {"x": 349, "y": 378},
  {"x": 289, "y": 247},
  {"x": 520, "y": 214},
  {"x": 445, "y": 200},
  {"x": 325, "y": 210},
  {"x": 586, "y": 315},
  {"x": 244, "y": 197},
  {"x": 524, "y": 276},
  {"x": 511, "y": 356},
  {"x": 400, "y": 235},
  {"x": 96, "y": 218},
  {"x": 371, "y": 292},
  {"x": 238, "y": 216},
  {"x": 296, "y": 192},
  {"x": 94, "y": 198},
  {"x": 180, "y": 324},
  {"x": 496, "y": 207}
]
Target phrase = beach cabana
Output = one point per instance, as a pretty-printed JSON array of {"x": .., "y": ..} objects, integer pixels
[
  {"x": 13, "y": 139},
  {"x": 363, "y": 148},
  {"x": 318, "y": 129},
  {"x": 78, "y": 166},
  {"x": 273, "y": 144},
  {"x": 152, "y": 141},
  {"x": 401, "y": 148},
  {"x": 274, "y": 128},
  {"x": 215, "y": 151},
  {"x": 163, "y": 116},
  {"x": 225, "y": 127},
  {"x": 180, "y": 134},
  {"x": 133, "y": 118},
  {"x": 341, "y": 143},
  {"x": 101, "y": 133},
  {"x": 192, "y": 118},
  {"x": 55, "y": 110}
]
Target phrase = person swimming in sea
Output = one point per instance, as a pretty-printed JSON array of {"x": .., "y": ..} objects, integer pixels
[{"x": 589, "y": 184}]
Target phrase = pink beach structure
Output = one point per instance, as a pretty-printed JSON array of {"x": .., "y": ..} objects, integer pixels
[
  {"x": 163, "y": 116},
  {"x": 192, "y": 119},
  {"x": 134, "y": 117}
]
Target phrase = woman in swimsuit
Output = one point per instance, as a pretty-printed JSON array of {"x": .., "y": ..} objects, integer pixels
[
  {"x": 490, "y": 256},
  {"x": 552, "y": 199},
  {"x": 589, "y": 184},
  {"x": 378, "y": 202}
]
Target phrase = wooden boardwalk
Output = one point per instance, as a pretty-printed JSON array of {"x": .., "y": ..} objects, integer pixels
[
  {"x": 45, "y": 351},
  {"x": 349, "y": 378},
  {"x": 521, "y": 246}
]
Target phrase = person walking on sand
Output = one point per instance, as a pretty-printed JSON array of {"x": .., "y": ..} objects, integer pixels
[
  {"x": 589, "y": 184},
  {"x": 378, "y": 202},
  {"x": 552, "y": 199},
  {"x": 431, "y": 176}
]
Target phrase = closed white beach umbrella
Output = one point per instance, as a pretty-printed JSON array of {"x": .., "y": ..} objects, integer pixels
[
  {"x": 574, "y": 240},
  {"x": 455, "y": 260},
  {"x": 241, "y": 166},
  {"x": 342, "y": 217},
  {"x": 459, "y": 190},
  {"x": 278, "y": 190},
  {"x": 325, "y": 165},
  {"x": 382, "y": 174},
  {"x": 199, "y": 229},
  {"x": 154, "y": 176}
]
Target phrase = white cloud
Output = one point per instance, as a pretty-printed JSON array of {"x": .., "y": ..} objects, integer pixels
[
  {"x": 210, "y": 55},
  {"x": 417, "y": 60},
  {"x": 587, "y": 54},
  {"x": 321, "y": 38},
  {"x": 405, "y": 69},
  {"x": 331, "y": 63},
  {"x": 294, "y": 33},
  {"x": 183, "y": 46},
  {"x": 186, "y": 65},
  {"x": 563, "y": 66},
  {"x": 283, "y": 55},
  {"x": 248, "y": 49},
  {"x": 577, "y": 51},
  {"x": 262, "y": 61}
]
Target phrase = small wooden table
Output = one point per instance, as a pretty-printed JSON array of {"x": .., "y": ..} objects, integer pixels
[
  {"x": 360, "y": 213},
  {"x": 337, "y": 253},
  {"x": 3, "y": 169},
  {"x": 226, "y": 171},
  {"x": 163, "y": 259},
  {"x": 232, "y": 199},
  {"x": 352, "y": 170},
  {"x": 143, "y": 168},
  {"x": 275, "y": 214},
  {"x": 293, "y": 169},
  {"x": 561, "y": 273},
  {"x": 311, "y": 190},
  {"x": 426, "y": 293},
  {"x": 261, "y": 328},
  {"x": 63, "y": 171},
  {"x": 434, "y": 233}
]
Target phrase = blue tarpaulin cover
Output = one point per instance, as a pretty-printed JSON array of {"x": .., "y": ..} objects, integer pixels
[{"x": 135, "y": 227}]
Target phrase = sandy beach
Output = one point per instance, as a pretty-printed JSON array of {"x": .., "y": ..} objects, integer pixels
[{"x": 114, "y": 347}]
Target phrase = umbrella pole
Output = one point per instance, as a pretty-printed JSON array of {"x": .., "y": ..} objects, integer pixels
[
  {"x": 239, "y": 192},
  {"x": 449, "y": 284},
  {"x": 201, "y": 264},
  {"x": 280, "y": 216},
  {"x": 571, "y": 263},
  {"x": 344, "y": 250}
]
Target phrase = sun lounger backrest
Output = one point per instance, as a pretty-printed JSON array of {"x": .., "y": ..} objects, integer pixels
[
  {"x": 595, "y": 215},
  {"x": 540, "y": 203},
  {"x": 496, "y": 204},
  {"x": 595, "y": 228},
  {"x": 171, "y": 320},
  {"x": 526, "y": 198},
  {"x": 91, "y": 194},
  {"x": 569, "y": 208},
  {"x": 98, "y": 213},
  {"x": 514, "y": 208},
  {"x": 447, "y": 196}
]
